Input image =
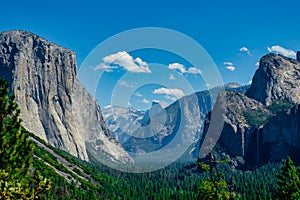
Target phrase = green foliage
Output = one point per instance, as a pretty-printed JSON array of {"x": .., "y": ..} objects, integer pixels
[
  {"x": 257, "y": 118},
  {"x": 288, "y": 182},
  {"x": 279, "y": 106},
  {"x": 216, "y": 187},
  {"x": 23, "y": 176},
  {"x": 17, "y": 180},
  {"x": 177, "y": 181},
  {"x": 211, "y": 190}
]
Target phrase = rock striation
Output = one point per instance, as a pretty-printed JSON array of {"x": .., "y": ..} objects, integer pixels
[
  {"x": 281, "y": 137},
  {"x": 277, "y": 77},
  {"x": 54, "y": 105},
  {"x": 263, "y": 125},
  {"x": 237, "y": 137}
]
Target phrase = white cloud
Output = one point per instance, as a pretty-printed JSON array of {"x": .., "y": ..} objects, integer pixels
[
  {"x": 144, "y": 100},
  {"x": 280, "y": 50},
  {"x": 257, "y": 64},
  {"x": 124, "y": 60},
  {"x": 228, "y": 63},
  {"x": 177, "y": 66},
  {"x": 181, "y": 68},
  {"x": 230, "y": 68},
  {"x": 194, "y": 70},
  {"x": 246, "y": 50},
  {"x": 169, "y": 91},
  {"x": 137, "y": 94},
  {"x": 172, "y": 77},
  {"x": 126, "y": 84},
  {"x": 250, "y": 82}
]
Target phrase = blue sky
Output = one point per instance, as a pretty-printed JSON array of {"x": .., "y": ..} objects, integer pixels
[{"x": 236, "y": 34}]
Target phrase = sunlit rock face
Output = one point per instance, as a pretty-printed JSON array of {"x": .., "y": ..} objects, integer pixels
[
  {"x": 54, "y": 105},
  {"x": 277, "y": 78}
]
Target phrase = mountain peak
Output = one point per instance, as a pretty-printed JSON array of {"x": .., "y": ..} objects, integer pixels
[
  {"x": 233, "y": 85},
  {"x": 277, "y": 78},
  {"x": 26, "y": 36}
]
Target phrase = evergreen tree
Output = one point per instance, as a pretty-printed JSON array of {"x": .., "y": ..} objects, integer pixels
[
  {"x": 215, "y": 188},
  {"x": 288, "y": 182},
  {"x": 17, "y": 179}
]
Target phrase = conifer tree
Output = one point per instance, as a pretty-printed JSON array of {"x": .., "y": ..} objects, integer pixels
[
  {"x": 17, "y": 179},
  {"x": 288, "y": 182},
  {"x": 215, "y": 188}
]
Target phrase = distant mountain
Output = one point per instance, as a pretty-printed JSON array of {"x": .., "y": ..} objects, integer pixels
[
  {"x": 232, "y": 86},
  {"x": 54, "y": 105},
  {"x": 261, "y": 126},
  {"x": 159, "y": 125},
  {"x": 156, "y": 107},
  {"x": 122, "y": 122}
]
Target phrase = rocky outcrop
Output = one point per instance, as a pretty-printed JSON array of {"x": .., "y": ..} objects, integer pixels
[
  {"x": 237, "y": 137},
  {"x": 277, "y": 78},
  {"x": 54, "y": 105},
  {"x": 263, "y": 125},
  {"x": 281, "y": 137},
  {"x": 298, "y": 55}
]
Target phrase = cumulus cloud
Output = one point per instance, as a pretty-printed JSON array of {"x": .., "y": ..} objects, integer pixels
[
  {"x": 283, "y": 51},
  {"x": 228, "y": 63},
  {"x": 257, "y": 64},
  {"x": 230, "y": 66},
  {"x": 246, "y": 50},
  {"x": 177, "y": 66},
  {"x": 124, "y": 60},
  {"x": 181, "y": 68},
  {"x": 194, "y": 70},
  {"x": 169, "y": 91}
]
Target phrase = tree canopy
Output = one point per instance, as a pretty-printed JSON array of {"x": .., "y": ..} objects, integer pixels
[
  {"x": 288, "y": 182},
  {"x": 17, "y": 178}
]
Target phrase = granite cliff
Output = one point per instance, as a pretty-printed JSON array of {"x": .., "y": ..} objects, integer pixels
[
  {"x": 262, "y": 126},
  {"x": 277, "y": 77},
  {"x": 54, "y": 105}
]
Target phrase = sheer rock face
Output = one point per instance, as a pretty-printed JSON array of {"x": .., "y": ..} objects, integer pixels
[
  {"x": 281, "y": 137},
  {"x": 298, "y": 55},
  {"x": 54, "y": 105},
  {"x": 237, "y": 137},
  {"x": 277, "y": 78},
  {"x": 253, "y": 143}
]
